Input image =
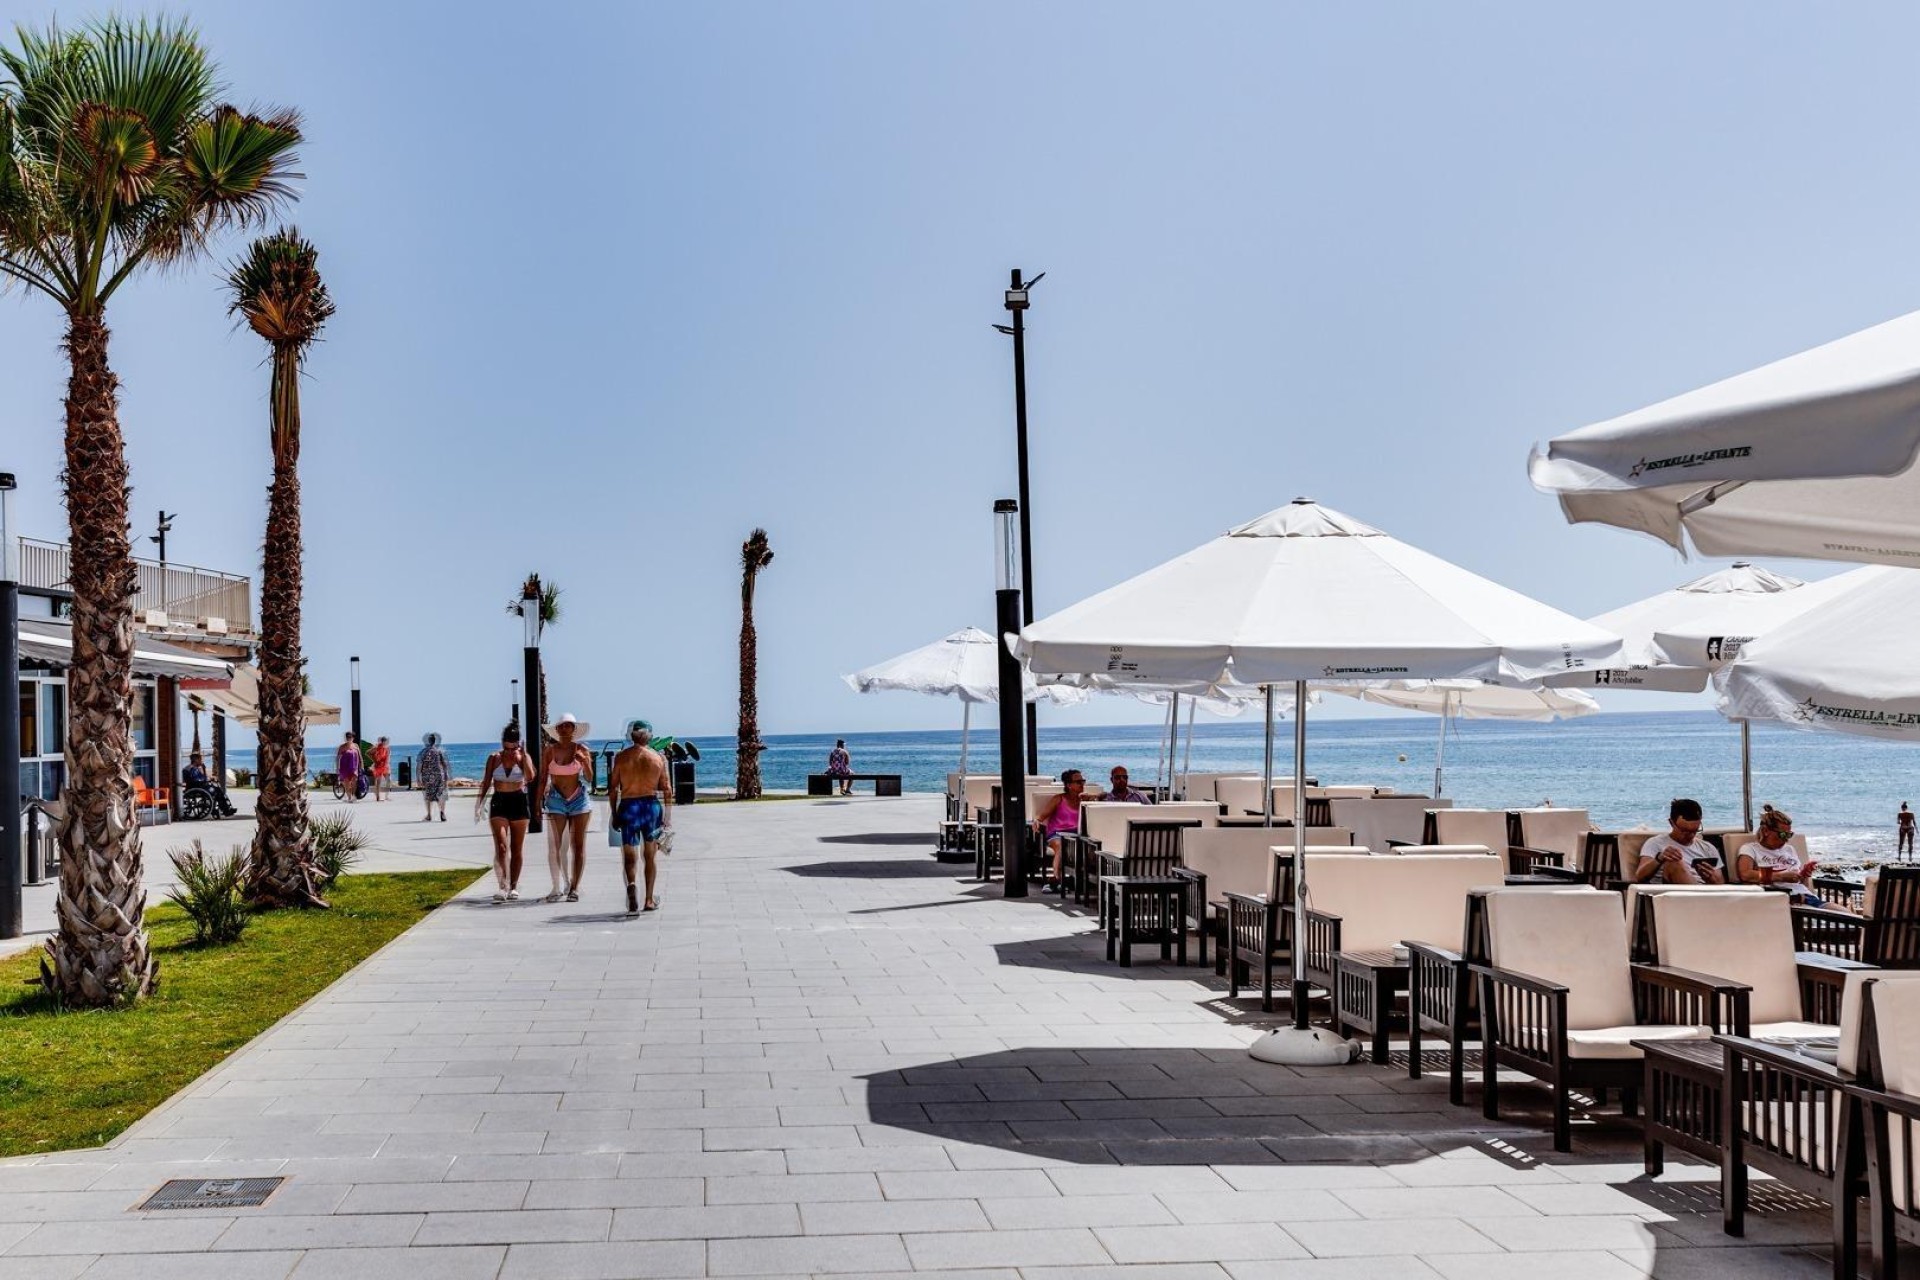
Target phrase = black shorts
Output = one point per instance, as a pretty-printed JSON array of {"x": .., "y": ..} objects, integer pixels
[{"x": 510, "y": 805}]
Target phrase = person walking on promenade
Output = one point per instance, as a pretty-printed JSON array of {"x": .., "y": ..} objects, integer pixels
[
  {"x": 346, "y": 763},
  {"x": 435, "y": 773},
  {"x": 566, "y": 797},
  {"x": 1906, "y": 830},
  {"x": 640, "y": 803},
  {"x": 380, "y": 760},
  {"x": 840, "y": 765},
  {"x": 507, "y": 773}
]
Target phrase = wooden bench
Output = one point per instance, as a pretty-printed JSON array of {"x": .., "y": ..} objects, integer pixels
[{"x": 823, "y": 784}]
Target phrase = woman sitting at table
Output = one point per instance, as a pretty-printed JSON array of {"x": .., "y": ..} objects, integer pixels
[
  {"x": 1061, "y": 816},
  {"x": 1770, "y": 858}
]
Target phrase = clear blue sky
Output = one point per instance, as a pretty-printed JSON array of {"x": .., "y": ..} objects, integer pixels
[{"x": 617, "y": 283}]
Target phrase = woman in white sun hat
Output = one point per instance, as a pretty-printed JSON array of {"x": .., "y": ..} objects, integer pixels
[{"x": 566, "y": 798}]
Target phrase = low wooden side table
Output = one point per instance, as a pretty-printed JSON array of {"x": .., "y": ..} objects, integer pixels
[
  {"x": 1681, "y": 1103},
  {"x": 1155, "y": 906},
  {"x": 1365, "y": 984}
]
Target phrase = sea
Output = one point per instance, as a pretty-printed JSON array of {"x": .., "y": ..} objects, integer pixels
[{"x": 1623, "y": 768}]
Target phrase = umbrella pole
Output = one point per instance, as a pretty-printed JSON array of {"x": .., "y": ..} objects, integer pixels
[
  {"x": 1746, "y": 774},
  {"x": 1440, "y": 751},
  {"x": 1173, "y": 741},
  {"x": 1266, "y": 777},
  {"x": 1299, "y": 848},
  {"x": 1186, "y": 765},
  {"x": 966, "y": 728}
]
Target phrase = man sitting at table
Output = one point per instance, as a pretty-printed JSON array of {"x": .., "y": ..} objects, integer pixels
[
  {"x": 1118, "y": 790},
  {"x": 1770, "y": 858},
  {"x": 1680, "y": 856}
]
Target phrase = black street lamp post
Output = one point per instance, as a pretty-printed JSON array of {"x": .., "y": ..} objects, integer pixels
[
  {"x": 530, "y": 727},
  {"x": 513, "y": 717},
  {"x": 1017, "y": 302},
  {"x": 12, "y": 878},
  {"x": 353, "y": 670},
  {"x": 1013, "y": 767}
]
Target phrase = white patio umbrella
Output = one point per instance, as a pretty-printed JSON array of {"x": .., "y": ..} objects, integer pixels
[
  {"x": 1846, "y": 668},
  {"x": 1471, "y": 700},
  {"x": 1675, "y": 640},
  {"x": 1306, "y": 593},
  {"x": 964, "y": 665},
  {"x": 1809, "y": 456}
]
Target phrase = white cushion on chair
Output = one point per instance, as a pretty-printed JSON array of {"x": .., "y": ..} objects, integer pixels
[
  {"x": 1471, "y": 826},
  {"x": 1383, "y": 902},
  {"x": 1896, "y": 1016},
  {"x": 1555, "y": 830},
  {"x": 1107, "y": 821},
  {"x": 1617, "y": 1042},
  {"x": 1479, "y": 849},
  {"x": 1743, "y": 937},
  {"x": 1635, "y": 892},
  {"x": 1884, "y": 998},
  {"x": 1792, "y": 1029},
  {"x": 1383, "y": 818},
  {"x": 1573, "y": 939}
]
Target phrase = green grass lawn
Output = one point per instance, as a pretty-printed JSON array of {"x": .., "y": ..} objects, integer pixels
[{"x": 77, "y": 1079}]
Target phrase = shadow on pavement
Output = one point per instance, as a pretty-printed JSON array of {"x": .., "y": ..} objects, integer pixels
[
  {"x": 877, "y": 869},
  {"x": 920, "y": 838}
]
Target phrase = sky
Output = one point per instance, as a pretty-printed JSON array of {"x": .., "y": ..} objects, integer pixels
[{"x": 618, "y": 283}]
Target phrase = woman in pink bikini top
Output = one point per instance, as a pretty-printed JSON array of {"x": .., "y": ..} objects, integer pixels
[{"x": 1061, "y": 815}]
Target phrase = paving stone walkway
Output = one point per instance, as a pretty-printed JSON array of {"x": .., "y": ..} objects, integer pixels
[{"x": 829, "y": 1055}]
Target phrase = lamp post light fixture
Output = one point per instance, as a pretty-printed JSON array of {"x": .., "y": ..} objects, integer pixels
[
  {"x": 1013, "y": 764},
  {"x": 531, "y": 626},
  {"x": 162, "y": 527},
  {"x": 353, "y": 669},
  {"x": 12, "y": 877},
  {"x": 1017, "y": 302},
  {"x": 513, "y": 717}
]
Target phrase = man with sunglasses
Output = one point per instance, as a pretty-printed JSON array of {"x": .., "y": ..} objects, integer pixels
[
  {"x": 1119, "y": 791},
  {"x": 1681, "y": 856}
]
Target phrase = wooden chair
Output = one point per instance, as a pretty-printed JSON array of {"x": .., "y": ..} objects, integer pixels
[
  {"x": 1260, "y": 927},
  {"x": 1747, "y": 938},
  {"x": 1152, "y": 853},
  {"x": 1560, "y": 1001},
  {"x": 1489, "y": 827},
  {"x": 1888, "y": 1094}
]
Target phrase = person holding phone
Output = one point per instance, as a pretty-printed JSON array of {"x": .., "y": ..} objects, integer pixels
[{"x": 1770, "y": 859}]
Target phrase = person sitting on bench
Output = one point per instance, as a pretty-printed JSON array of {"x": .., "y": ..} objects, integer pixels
[
  {"x": 1680, "y": 856},
  {"x": 840, "y": 765}
]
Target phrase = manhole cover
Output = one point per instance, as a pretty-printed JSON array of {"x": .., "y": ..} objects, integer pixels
[{"x": 213, "y": 1193}]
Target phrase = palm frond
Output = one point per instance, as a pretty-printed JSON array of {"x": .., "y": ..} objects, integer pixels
[{"x": 276, "y": 288}]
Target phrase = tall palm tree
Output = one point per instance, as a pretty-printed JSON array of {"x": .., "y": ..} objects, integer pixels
[
  {"x": 278, "y": 291},
  {"x": 755, "y": 555},
  {"x": 114, "y": 156}
]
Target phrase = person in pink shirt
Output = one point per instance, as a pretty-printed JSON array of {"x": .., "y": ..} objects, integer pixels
[{"x": 1060, "y": 816}]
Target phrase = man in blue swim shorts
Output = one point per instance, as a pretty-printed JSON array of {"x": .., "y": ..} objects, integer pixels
[{"x": 641, "y": 799}]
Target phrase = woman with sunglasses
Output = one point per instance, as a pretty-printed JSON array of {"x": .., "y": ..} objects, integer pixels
[
  {"x": 506, "y": 776},
  {"x": 566, "y": 798},
  {"x": 1770, "y": 859},
  {"x": 1061, "y": 816}
]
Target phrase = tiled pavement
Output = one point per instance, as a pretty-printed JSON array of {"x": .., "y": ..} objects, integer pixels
[{"x": 828, "y": 1055}]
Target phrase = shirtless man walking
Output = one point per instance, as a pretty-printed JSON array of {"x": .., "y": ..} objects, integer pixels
[{"x": 641, "y": 801}]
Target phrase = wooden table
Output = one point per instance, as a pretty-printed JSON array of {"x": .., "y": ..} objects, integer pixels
[
  {"x": 1145, "y": 909},
  {"x": 1364, "y": 986},
  {"x": 1681, "y": 1102}
]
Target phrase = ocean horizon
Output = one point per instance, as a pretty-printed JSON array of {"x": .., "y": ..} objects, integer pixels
[{"x": 1622, "y": 767}]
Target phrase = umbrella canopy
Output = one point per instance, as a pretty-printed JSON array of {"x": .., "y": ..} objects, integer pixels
[
  {"x": 242, "y": 700},
  {"x": 1306, "y": 593},
  {"x": 1808, "y": 456},
  {"x": 1674, "y": 639},
  {"x": 1846, "y": 668},
  {"x": 964, "y": 665},
  {"x": 1474, "y": 699}
]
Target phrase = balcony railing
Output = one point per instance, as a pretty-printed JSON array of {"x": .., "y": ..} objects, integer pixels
[{"x": 190, "y": 598}]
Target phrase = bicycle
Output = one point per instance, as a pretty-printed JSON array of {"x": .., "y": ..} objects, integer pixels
[{"x": 363, "y": 783}]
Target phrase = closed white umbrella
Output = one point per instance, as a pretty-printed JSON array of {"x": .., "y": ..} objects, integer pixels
[
  {"x": 964, "y": 665},
  {"x": 1810, "y": 456},
  {"x": 1471, "y": 700},
  {"x": 1306, "y": 593},
  {"x": 1846, "y": 668}
]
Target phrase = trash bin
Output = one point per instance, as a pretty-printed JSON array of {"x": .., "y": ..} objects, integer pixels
[
  {"x": 406, "y": 774},
  {"x": 683, "y": 788}
]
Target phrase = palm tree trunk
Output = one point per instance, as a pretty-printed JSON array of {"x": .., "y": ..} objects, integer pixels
[
  {"x": 747, "y": 772},
  {"x": 99, "y": 956},
  {"x": 281, "y": 871}
]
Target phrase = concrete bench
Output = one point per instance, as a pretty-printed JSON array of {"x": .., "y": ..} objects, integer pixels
[{"x": 884, "y": 784}]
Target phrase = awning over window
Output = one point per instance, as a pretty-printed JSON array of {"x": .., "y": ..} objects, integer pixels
[
  {"x": 241, "y": 700},
  {"x": 50, "y": 641}
]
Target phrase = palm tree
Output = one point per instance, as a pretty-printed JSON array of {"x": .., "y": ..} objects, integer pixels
[
  {"x": 549, "y": 593},
  {"x": 755, "y": 555},
  {"x": 278, "y": 291},
  {"x": 114, "y": 156}
]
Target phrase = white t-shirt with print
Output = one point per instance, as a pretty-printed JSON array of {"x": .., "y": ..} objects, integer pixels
[
  {"x": 1785, "y": 860},
  {"x": 1694, "y": 854}
]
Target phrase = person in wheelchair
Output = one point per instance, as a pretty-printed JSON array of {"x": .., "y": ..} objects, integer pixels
[{"x": 201, "y": 796}]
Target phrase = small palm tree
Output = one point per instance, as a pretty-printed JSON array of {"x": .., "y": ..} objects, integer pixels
[
  {"x": 278, "y": 291},
  {"x": 115, "y": 155},
  {"x": 755, "y": 555}
]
